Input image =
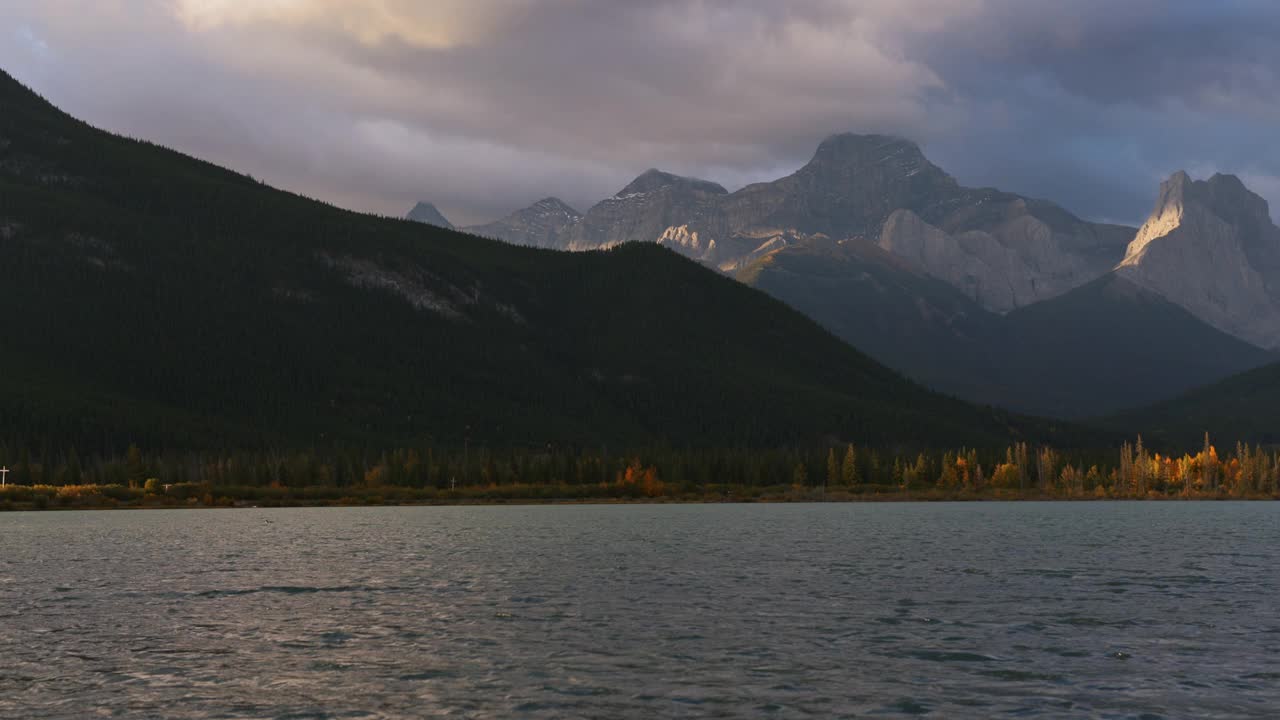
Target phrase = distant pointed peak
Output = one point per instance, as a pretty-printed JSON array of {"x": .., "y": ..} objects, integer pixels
[
  {"x": 1182, "y": 198},
  {"x": 853, "y": 146},
  {"x": 425, "y": 212},
  {"x": 555, "y": 203},
  {"x": 1228, "y": 181},
  {"x": 655, "y": 179},
  {"x": 1173, "y": 190},
  {"x": 1219, "y": 182},
  {"x": 874, "y": 139},
  {"x": 850, "y": 153},
  {"x": 1223, "y": 193}
]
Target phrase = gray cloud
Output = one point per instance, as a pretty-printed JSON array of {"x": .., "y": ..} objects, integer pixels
[{"x": 482, "y": 107}]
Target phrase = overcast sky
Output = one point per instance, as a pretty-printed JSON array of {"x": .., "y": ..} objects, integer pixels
[{"x": 483, "y": 106}]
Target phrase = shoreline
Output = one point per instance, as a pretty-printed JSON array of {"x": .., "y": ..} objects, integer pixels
[{"x": 9, "y": 507}]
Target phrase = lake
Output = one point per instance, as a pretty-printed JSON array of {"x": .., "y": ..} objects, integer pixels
[{"x": 947, "y": 610}]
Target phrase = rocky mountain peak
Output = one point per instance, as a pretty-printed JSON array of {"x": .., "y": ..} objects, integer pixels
[
  {"x": 1228, "y": 198},
  {"x": 425, "y": 212},
  {"x": 1222, "y": 199},
  {"x": 1003, "y": 250},
  {"x": 862, "y": 178},
  {"x": 854, "y": 147},
  {"x": 1167, "y": 214},
  {"x": 654, "y": 179},
  {"x": 1210, "y": 246},
  {"x": 555, "y": 204},
  {"x": 1222, "y": 194},
  {"x": 892, "y": 155},
  {"x": 539, "y": 225}
]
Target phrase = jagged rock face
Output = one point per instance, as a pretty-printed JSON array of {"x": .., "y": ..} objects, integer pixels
[
  {"x": 539, "y": 225},
  {"x": 973, "y": 262},
  {"x": 848, "y": 189},
  {"x": 1001, "y": 254},
  {"x": 852, "y": 183},
  {"x": 1002, "y": 250},
  {"x": 742, "y": 249},
  {"x": 645, "y": 209},
  {"x": 686, "y": 241},
  {"x": 1211, "y": 247},
  {"x": 653, "y": 179},
  {"x": 425, "y": 212},
  {"x": 731, "y": 253}
]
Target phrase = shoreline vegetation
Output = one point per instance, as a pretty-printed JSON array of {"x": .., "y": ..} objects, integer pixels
[{"x": 51, "y": 481}]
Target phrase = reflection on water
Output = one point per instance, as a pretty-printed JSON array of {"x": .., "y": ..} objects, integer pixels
[{"x": 1113, "y": 610}]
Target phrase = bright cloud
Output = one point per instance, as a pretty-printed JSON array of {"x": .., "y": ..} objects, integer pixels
[{"x": 434, "y": 24}]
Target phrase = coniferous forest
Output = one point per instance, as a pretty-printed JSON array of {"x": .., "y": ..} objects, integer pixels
[{"x": 431, "y": 475}]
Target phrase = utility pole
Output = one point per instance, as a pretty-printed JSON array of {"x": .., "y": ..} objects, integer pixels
[{"x": 4, "y": 474}]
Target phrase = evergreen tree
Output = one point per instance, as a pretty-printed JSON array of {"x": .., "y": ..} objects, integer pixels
[
  {"x": 23, "y": 474},
  {"x": 1020, "y": 458},
  {"x": 1210, "y": 465},
  {"x": 800, "y": 475},
  {"x": 137, "y": 472},
  {"x": 948, "y": 478},
  {"x": 849, "y": 468}
]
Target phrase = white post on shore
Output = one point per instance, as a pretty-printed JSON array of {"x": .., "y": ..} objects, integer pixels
[{"x": 4, "y": 473}]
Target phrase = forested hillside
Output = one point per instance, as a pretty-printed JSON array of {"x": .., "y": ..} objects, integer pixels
[
  {"x": 1244, "y": 406},
  {"x": 153, "y": 298},
  {"x": 1099, "y": 348}
]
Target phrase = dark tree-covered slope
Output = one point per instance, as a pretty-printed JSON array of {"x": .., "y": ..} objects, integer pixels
[
  {"x": 1244, "y": 407},
  {"x": 885, "y": 307},
  {"x": 1101, "y": 348},
  {"x": 151, "y": 297},
  {"x": 1111, "y": 345}
]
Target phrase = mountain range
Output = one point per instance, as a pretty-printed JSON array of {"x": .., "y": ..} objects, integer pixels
[
  {"x": 158, "y": 299},
  {"x": 988, "y": 295}
]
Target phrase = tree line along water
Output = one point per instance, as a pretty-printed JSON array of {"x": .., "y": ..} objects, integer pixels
[{"x": 429, "y": 474}]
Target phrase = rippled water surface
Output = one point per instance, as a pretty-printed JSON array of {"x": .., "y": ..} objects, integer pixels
[{"x": 1108, "y": 610}]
